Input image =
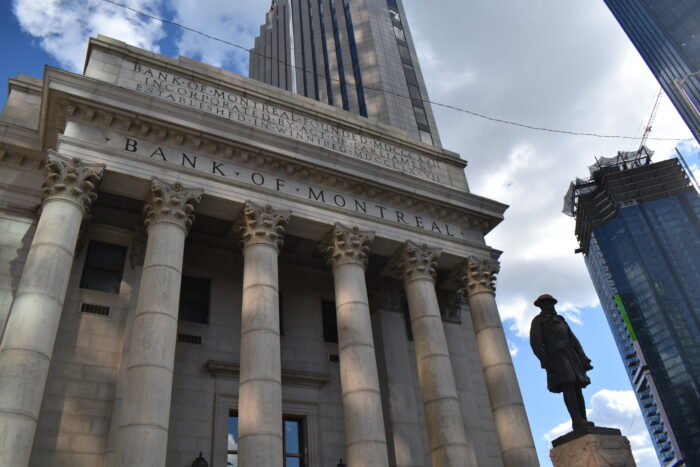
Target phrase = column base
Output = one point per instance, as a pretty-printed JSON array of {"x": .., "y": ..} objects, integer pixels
[{"x": 592, "y": 447}]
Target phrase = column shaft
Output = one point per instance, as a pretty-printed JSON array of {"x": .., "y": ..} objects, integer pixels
[
  {"x": 403, "y": 417},
  {"x": 365, "y": 438},
  {"x": 26, "y": 349},
  {"x": 260, "y": 382},
  {"x": 443, "y": 412},
  {"x": 142, "y": 437},
  {"x": 260, "y": 387},
  {"x": 512, "y": 426},
  {"x": 446, "y": 436},
  {"x": 30, "y": 334}
]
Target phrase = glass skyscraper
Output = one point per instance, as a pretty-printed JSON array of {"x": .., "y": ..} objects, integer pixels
[
  {"x": 356, "y": 55},
  {"x": 667, "y": 35},
  {"x": 638, "y": 226}
]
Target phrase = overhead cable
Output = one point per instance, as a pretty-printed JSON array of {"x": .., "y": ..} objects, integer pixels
[{"x": 438, "y": 104}]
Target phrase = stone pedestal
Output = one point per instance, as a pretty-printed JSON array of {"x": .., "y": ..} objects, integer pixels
[{"x": 592, "y": 447}]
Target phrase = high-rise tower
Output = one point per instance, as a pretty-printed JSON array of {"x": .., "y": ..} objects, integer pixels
[
  {"x": 638, "y": 226},
  {"x": 358, "y": 56},
  {"x": 667, "y": 35}
]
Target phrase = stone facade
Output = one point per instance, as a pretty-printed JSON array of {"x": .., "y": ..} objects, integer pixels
[{"x": 296, "y": 216}]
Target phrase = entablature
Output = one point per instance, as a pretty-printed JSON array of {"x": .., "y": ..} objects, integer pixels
[{"x": 466, "y": 209}]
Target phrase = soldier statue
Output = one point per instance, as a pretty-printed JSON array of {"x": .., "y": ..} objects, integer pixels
[{"x": 560, "y": 353}]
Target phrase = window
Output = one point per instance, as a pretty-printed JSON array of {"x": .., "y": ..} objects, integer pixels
[
  {"x": 398, "y": 32},
  {"x": 194, "y": 300},
  {"x": 410, "y": 74},
  {"x": 232, "y": 441},
  {"x": 330, "y": 323},
  {"x": 294, "y": 444},
  {"x": 414, "y": 92},
  {"x": 104, "y": 266},
  {"x": 421, "y": 117},
  {"x": 395, "y": 18},
  {"x": 405, "y": 54},
  {"x": 425, "y": 137}
]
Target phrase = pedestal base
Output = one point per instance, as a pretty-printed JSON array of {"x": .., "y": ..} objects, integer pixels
[{"x": 592, "y": 447}]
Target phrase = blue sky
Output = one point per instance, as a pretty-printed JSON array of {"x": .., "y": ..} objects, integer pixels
[{"x": 557, "y": 64}]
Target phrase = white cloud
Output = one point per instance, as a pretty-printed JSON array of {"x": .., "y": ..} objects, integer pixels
[
  {"x": 566, "y": 66},
  {"x": 237, "y": 22},
  {"x": 513, "y": 349},
  {"x": 64, "y": 26},
  {"x": 617, "y": 409}
]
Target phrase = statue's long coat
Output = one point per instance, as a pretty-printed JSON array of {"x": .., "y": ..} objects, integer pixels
[{"x": 559, "y": 352}]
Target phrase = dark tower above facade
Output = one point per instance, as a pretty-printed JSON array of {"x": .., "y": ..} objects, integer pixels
[{"x": 358, "y": 56}]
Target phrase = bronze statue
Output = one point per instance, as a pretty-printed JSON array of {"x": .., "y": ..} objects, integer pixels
[{"x": 560, "y": 353}]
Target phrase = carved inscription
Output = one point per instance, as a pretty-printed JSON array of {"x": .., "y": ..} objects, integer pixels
[
  {"x": 209, "y": 99},
  {"x": 263, "y": 180}
]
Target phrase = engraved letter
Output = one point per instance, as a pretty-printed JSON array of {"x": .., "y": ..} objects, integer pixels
[
  {"x": 315, "y": 196},
  {"x": 192, "y": 161},
  {"x": 131, "y": 145}
]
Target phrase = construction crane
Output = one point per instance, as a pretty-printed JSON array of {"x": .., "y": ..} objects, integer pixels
[{"x": 647, "y": 130}]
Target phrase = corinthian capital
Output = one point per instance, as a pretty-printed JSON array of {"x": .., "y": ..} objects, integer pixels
[
  {"x": 415, "y": 261},
  {"x": 478, "y": 275},
  {"x": 71, "y": 180},
  {"x": 171, "y": 202},
  {"x": 346, "y": 245},
  {"x": 262, "y": 224}
]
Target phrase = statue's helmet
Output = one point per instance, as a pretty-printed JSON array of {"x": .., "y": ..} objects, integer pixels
[{"x": 545, "y": 298}]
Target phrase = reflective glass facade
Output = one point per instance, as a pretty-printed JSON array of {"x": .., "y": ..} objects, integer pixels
[
  {"x": 357, "y": 55},
  {"x": 645, "y": 264},
  {"x": 667, "y": 35}
]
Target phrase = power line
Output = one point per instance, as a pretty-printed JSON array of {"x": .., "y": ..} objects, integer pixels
[{"x": 438, "y": 104}]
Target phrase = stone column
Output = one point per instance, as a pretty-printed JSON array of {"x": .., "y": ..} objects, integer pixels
[
  {"x": 142, "y": 437},
  {"x": 404, "y": 429},
  {"x": 512, "y": 426},
  {"x": 25, "y": 352},
  {"x": 136, "y": 256},
  {"x": 346, "y": 250},
  {"x": 260, "y": 382},
  {"x": 443, "y": 413}
]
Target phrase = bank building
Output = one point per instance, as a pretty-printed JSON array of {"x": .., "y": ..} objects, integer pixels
[{"x": 203, "y": 269}]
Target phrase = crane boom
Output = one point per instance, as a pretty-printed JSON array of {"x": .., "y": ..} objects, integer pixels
[{"x": 647, "y": 130}]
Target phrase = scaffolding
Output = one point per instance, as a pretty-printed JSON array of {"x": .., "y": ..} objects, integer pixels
[{"x": 626, "y": 179}]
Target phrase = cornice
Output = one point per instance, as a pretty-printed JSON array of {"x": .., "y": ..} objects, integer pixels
[
  {"x": 19, "y": 138},
  {"x": 25, "y": 85},
  {"x": 472, "y": 212},
  {"x": 21, "y": 160}
]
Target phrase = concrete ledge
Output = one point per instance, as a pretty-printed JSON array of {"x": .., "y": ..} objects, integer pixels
[{"x": 289, "y": 377}]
